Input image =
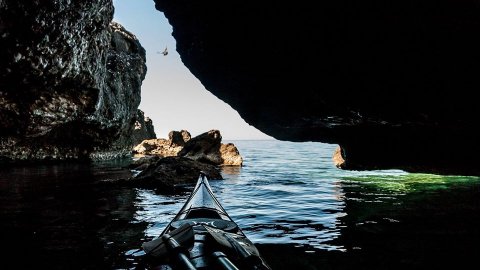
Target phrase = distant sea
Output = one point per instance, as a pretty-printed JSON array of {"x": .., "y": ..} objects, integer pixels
[{"x": 290, "y": 200}]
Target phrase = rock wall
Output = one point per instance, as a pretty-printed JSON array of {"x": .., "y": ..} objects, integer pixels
[
  {"x": 126, "y": 70},
  {"x": 69, "y": 81},
  {"x": 391, "y": 82},
  {"x": 143, "y": 129}
]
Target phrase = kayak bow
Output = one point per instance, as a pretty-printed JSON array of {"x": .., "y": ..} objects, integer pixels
[{"x": 203, "y": 236}]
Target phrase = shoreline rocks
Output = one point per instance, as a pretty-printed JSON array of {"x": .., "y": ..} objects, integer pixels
[
  {"x": 163, "y": 147},
  {"x": 167, "y": 164},
  {"x": 206, "y": 148}
]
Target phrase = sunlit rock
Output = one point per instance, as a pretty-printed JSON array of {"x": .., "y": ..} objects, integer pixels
[
  {"x": 206, "y": 147},
  {"x": 163, "y": 147}
]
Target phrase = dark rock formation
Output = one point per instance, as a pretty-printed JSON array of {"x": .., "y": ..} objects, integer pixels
[
  {"x": 391, "y": 82},
  {"x": 143, "y": 162},
  {"x": 179, "y": 138},
  {"x": 144, "y": 129},
  {"x": 207, "y": 148},
  {"x": 168, "y": 173},
  {"x": 69, "y": 81},
  {"x": 126, "y": 70}
]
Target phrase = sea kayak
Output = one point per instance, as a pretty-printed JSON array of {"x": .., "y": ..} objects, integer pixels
[{"x": 202, "y": 236}]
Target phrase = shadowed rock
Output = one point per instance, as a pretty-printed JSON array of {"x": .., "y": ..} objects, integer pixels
[
  {"x": 143, "y": 163},
  {"x": 144, "y": 129},
  {"x": 168, "y": 173},
  {"x": 391, "y": 82},
  {"x": 179, "y": 138},
  {"x": 207, "y": 147},
  {"x": 69, "y": 81}
]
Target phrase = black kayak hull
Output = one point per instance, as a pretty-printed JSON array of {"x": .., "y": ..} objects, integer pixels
[{"x": 203, "y": 236}]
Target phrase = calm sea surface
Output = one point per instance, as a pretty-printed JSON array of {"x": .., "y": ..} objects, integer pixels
[{"x": 288, "y": 198}]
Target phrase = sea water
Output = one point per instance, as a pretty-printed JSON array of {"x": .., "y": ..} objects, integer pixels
[{"x": 288, "y": 198}]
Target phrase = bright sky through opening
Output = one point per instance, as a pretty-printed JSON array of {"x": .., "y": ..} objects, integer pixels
[{"x": 171, "y": 96}]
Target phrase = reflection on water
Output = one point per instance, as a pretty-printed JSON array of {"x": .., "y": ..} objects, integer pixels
[
  {"x": 56, "y": 217},
  {"x": 288, "y": 198},
  {"x": 283, "y": 209}
]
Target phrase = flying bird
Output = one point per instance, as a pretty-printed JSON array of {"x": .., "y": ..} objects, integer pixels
[{"x": 165, "y": 52}]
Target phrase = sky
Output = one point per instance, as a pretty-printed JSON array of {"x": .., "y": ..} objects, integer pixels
[{"x": 171, "y": 96}]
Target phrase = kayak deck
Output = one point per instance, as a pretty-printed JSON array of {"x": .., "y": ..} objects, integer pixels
[{"x": 203, "y": 236}]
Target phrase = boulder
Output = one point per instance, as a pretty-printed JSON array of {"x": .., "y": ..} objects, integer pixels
[
  {"x": 179, "y": 138},
  {"x": 160, "y": 147},
  {"x": 207, "y": 148},
  {"x": 163, "y": 147},
  {"x": 230, "y": 155}
]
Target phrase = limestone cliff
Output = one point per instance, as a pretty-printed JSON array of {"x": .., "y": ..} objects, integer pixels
[{"x": 69, "y": 81}]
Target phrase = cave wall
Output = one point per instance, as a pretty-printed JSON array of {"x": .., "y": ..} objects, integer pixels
[
  {"x": 392, "y": 82},
  {"x": 69, "y": 81}
]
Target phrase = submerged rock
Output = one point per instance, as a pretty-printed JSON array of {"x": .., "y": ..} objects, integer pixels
[
  {"x": 167, "y": 174},
  {"x": 143, "y": 163}
]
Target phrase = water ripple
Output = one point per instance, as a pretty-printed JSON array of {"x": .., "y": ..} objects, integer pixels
[{"x": 292, "y": 193}]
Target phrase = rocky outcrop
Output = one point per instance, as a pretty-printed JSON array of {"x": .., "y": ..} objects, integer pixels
[
  {"x": 392, "y": 84},
  {"x": 338, "y": 158},
  {"x": 163, "y": 147},
  {"x": 143, "y": 129},
  {"x": 179, "y": 138},
  {"x": 207, "y": 148},
  {"x": 230, "y": 155},
  {"x": 69, "y": 81},
  {"x": 126, "y": 69}
]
